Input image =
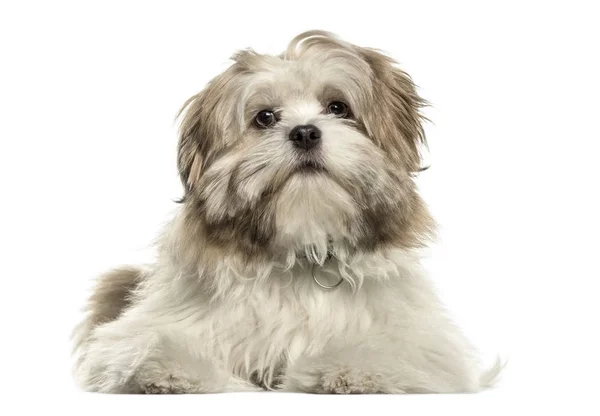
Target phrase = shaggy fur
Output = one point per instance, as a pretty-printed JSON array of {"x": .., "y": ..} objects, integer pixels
[{"x": 231, "y": 303}]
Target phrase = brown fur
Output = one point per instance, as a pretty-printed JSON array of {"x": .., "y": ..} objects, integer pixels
[
  {"x": 201, "y": 130},
  {"x": 112, "y": 294},
  {"x": 395, "y": 119},
  {"x": 397, "y": 217}
]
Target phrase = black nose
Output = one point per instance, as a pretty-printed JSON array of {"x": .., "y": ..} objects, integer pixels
[{"x": 306, "y": 137}]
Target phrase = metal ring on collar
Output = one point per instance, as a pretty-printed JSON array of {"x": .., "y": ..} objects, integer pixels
[{"x": 326, "y": 287}]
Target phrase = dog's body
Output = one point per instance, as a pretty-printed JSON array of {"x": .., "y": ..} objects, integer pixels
[{"x": 298, "y": 175}]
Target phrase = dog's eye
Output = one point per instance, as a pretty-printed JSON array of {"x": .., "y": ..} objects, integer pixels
[
  {"x": 338, "y": 108},
  {"x": 265, "y": 118}
]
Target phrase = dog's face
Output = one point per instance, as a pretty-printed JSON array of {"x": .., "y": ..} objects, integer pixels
[{"x": 309, "y": 152}]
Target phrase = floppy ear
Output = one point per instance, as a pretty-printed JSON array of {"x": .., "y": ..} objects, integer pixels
[
  {"x": 204, "y": 118},
  {"x": 193, "y": 139},
  {"x": 394, "y": 120}
]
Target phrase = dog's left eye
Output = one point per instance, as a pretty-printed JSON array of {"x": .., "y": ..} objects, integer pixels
[{"x": 339, "y": 109}]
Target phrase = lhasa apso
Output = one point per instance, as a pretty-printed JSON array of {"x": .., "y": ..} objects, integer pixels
[{"x": 292, "y": 264}]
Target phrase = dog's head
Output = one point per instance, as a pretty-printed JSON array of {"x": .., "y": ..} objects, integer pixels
[{"x": 310, "y": 152}]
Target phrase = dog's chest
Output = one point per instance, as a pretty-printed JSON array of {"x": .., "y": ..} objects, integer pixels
[{"x": 271, "y": 326}]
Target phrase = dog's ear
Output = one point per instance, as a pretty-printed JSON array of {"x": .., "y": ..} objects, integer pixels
[
  {"x": 394, "y": 120},
  {"x": 201, "y": 132},
  {"x": 205, "y": 119},
  {"x": 194, "y": 139}
]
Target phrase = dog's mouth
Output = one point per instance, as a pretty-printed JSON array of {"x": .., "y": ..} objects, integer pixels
[
  {"x": 309, "y": 163},
  {"x": 311, "y": 166}
]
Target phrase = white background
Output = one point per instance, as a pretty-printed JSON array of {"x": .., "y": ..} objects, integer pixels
[{"x": 88, "y": 95}]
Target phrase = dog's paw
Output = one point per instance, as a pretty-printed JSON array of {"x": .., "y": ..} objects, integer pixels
[
  {"x": 349, "y": 381},
  {"x": 170, "y": 385},
  {"x": 339, "y": 381},
  {"x": 163, "y": 377}
]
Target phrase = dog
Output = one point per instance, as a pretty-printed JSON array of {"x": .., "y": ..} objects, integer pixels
[{"x": 293, "y": 261}]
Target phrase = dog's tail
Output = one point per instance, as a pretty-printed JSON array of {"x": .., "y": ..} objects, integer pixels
[
  {"x": 490, "y": 376},
  {"x": 110, "y": 297}
]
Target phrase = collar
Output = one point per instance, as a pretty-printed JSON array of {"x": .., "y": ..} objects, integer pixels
[{"x": 315, "y": 271}]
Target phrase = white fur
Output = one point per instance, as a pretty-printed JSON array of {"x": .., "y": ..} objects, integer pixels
[
  {"x": 207, "y": 317},
  {"x": 391, "y": 327}
]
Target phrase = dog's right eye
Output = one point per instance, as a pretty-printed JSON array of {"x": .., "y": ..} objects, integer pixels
[{"x": 265, "y": 118}]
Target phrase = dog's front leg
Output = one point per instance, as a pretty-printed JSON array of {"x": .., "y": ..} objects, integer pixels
[
  {"x": 339, "y": 370},
  {"x": 384, "y": 363},
  {"x": 126, "y": 356}
]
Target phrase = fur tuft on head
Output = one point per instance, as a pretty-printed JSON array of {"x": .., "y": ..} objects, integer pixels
[{"x": 251, "y": 191}]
